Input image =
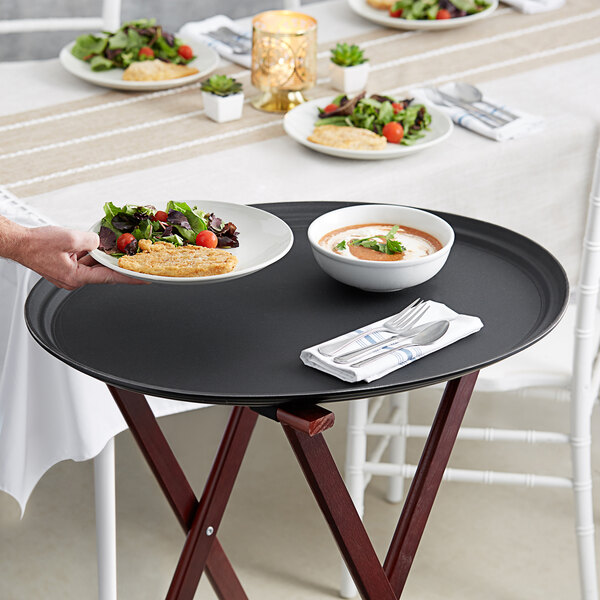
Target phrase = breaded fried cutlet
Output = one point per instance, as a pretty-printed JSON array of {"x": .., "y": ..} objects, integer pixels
[
  {"x": 163, "y": 258},
  {"x": 156, "y": 70},
  {"x": 381, "y": 4},
  {"x": 349, "y": 138}
]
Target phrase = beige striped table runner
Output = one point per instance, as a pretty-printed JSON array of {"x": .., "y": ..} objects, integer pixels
[{"x": 118, "y": 132}]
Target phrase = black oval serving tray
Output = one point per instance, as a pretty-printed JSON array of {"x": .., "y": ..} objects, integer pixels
[{"x": 239, "y": 342}]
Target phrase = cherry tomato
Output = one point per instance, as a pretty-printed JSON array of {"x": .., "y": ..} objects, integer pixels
[
  {"x": 185, "y": 52},
  {"x": 159, "y": 215},
  {"x": 146, "y": 51},
  {"x": 393, "y": 132},
  {"x": 330, "y": 108},
  {"x": 124, "y": 240},
  {"x": 398, "y": 107},
  {"x": 395, "y": 13},
  {"x": 443, "y": 14},
  {"x": 207, "y": 239}
]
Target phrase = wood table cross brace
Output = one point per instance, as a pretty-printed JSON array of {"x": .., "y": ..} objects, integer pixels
[{"x": 303, "y": 427}]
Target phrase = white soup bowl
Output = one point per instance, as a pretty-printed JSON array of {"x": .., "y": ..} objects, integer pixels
[{"x": 380, "y": 276}]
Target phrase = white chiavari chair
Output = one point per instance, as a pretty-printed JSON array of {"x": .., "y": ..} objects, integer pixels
[
  {"x": 563, "y": 365},
  {"x": 109, "y": 20}
]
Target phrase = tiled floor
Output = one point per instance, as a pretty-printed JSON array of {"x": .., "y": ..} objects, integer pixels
[{"x": 481, "y": 543}]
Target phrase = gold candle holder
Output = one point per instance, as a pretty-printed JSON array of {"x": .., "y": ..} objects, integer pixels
[{"x": 284, "y": 59}]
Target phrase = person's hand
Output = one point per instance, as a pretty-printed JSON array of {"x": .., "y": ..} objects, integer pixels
[{"x": 61, "y": 256}]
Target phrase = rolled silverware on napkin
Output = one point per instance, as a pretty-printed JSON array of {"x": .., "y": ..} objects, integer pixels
[
  {"x": 460, "y": 326},
  {"x": 532, "y": 7},
  {"x": 199, "y": 30},
  {"x": 471, "y": 118}
]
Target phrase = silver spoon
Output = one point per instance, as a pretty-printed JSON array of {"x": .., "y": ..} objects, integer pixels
[
  {"x": 438, "y": 97},
  {"x": 429, "y": 335},
  {"x": 405, "y": 336},
  {"x": 499, "y": 119},
  {"x": 469, "y": 93},
  {"x": 238, "y": 43}
]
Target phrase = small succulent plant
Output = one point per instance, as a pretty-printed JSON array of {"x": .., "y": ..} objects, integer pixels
[
  {"x": 347, "y": 56},
  {"x": 221, "y": 85}
]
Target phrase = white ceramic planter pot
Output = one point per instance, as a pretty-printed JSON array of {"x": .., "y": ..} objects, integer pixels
[
  {"x": 349, "y": 79},
  {"x": 223, "y": 108}
]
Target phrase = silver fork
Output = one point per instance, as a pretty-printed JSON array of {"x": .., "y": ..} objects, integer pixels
[
  {"x": 228, "y": 30},
  {"x": 407, "y": 333},
  {"x": 402, "y": 322},
  {"x": 238, "y": 43},
  {"x": 438, "y": 97},
  {"x": 469, "y": 107}
]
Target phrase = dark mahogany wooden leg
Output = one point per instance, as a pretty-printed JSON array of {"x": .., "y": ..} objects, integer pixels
[
  {"x": 172, "y": 480},
  {"x": 427, "y": 479},
  {"x": 373, "y": 581},
  {"x": 332, "y": 496},
  {"x": 212, "y": 504},
  {"x": 221, "y": 575},
  {"x": 303, "y": 428}
]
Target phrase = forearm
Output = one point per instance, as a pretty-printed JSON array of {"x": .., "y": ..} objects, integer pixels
[
  {"x": 12, "y": 239},
  {"x": 56, "y": 253}
]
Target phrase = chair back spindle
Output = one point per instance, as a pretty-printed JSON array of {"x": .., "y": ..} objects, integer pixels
[
  {"x": 565, "y": 363},
  {"x": 586, "y": 370},
  {"x": 109, "y": 20}
]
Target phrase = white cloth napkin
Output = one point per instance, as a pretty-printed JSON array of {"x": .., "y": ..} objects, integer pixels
[
  {"x": 526, "y": 124},
  {"x": 196, "y": 30},
  {"x": 532, "y": 7},
  {"x": 460, "y": 326}
]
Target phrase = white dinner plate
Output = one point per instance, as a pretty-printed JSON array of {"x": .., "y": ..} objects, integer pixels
[
  {"x": 206, "y": 61},
  {"x": 264, "y": 239},
  {"x": 382, "y": 17},
  {"x": 300, "y": 122}
]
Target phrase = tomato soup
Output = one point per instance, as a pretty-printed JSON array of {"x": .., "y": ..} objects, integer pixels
[{"x": 417, "y": 243}]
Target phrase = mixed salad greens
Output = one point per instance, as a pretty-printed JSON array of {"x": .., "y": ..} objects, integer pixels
[
  {"x": 376, "y": 113},
  {"x": 134, "y": 41},
  {"x": 180, "y": 224},
  {"x": 436, "y": 9}
]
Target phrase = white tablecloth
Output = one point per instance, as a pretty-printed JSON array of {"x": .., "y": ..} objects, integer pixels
[
  {"x": 48, "y": 411},
  {"x": 537, "y": 185}
]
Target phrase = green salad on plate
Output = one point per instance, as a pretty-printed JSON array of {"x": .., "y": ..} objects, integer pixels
[
  {"x": 399, "y": 121},
  {"x": 436, "y": 9},
  {"x": 179, "y": 224},
  {"x": 135, "y": 41}
]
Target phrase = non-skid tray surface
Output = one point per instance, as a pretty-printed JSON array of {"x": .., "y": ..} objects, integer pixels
[{"x": 239, "y": 342}]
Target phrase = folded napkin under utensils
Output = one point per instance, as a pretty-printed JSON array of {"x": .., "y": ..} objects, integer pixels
[
  {"x": 224, "y": 35},
  {"x": 484, "y": 115},
  {"x": 373, "y": 353},
  {"x": 533, "y": 7}
]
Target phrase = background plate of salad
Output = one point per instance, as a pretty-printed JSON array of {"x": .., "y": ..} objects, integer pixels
[
  {"x": 299, "y": 123},
  {"x": 206, "y": 60},
  {"x": 263, "y": 238},
  {"x": 383, "y": 17}
]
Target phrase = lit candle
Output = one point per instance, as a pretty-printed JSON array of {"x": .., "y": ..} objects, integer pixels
[{"x": 284, "y": 58}]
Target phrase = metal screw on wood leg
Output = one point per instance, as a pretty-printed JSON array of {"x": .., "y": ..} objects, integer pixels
[{"x": 209, "y": 531}]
